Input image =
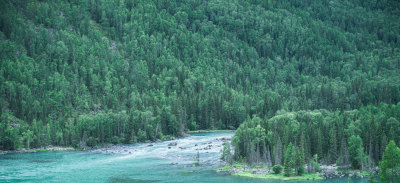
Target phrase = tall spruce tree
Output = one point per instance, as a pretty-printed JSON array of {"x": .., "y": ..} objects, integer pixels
[
  {"x": 356, "y": 151},
  {"x": 290, "y": 160},
  {"x": 389, "y": 167}
]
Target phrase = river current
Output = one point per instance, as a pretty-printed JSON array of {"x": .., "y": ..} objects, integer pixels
[{"x": 136, "y": 163}]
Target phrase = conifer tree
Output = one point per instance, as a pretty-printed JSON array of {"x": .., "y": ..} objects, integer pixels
[
  {"x": 300, "y": 159},
  {"x": 389, "y": 167},
  {"x": 290, "y": 160},
  {"x": 332, "y": 145},
  {"x": 356, "y": 151}
]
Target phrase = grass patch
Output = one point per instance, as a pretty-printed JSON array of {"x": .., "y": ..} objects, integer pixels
[
  {"x": 262, "y": 167},
  {"x": 271, "y": 176},
  {"x": 230, "y": 167},
  {"x": 225, "y": 168},
  {"x": 365, "y": 174},
  {"x": 42, "y": 150},
  {"x": 238, "y": 165}
]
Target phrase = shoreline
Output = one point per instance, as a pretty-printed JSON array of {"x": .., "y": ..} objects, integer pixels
[
  {"x": 209, "y": 131},
  {"x": 70, "y": 148},
  {"x": 263, "y": 173},
  {"x": 259, "y": 172},
  {"x": 37, "y": 150},
  {"x": 272, "y": 176}
]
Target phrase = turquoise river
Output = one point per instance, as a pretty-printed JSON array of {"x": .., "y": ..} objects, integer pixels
[{"x": 137, "y": 163}]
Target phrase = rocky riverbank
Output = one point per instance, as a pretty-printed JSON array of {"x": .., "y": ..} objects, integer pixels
[
  {"x": 35, "y": 150},
  {"x": 325, "y": 172},
  {"x": 263, "y": 173},
  {"x": 70, "y": 148},
  {"x": 173, "y": 144},
  {"x": 333, "y": 171},
  {"x": 210, "y": 131},
  {"x": 111, "y": 148}
]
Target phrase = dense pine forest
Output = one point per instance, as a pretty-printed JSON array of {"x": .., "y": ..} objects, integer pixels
[
  {"x": 357, "y": 137},
  {"x": 316, "y": 77}
]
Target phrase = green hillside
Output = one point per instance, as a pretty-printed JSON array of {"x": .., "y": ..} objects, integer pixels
[{"x": 89, "y": 72}]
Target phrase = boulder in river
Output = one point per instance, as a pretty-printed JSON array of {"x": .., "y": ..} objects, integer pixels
[
  {"x": 173, "y": 144},
  {"x": 225, "y": 139}
]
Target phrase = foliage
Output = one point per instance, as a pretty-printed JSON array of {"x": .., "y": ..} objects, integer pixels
[
  {"x": 314, "y": 163},
  {"x": 360, "y": 136},
  {"x": 356, "y": 151},
  {"x": 277, "y": 169},
  {"x": 372, "y": 178},
  {"x": 389, "y": 167},
  {"x": 226, "y": 154},
  {"x": 110, "y": 71},
  {"x": 290, "y": 158},
  {"x": 300, "y": 159},
  {"x": 300, "y": 171}
]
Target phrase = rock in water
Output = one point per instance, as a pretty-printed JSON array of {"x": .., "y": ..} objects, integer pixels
[{"x": 173, "y": 144}]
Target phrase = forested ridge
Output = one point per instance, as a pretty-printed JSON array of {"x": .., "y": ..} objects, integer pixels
[{"x": 89, "y": 72}]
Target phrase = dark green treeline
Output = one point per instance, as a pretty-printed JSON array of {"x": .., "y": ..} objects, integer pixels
[
  {"x": 357, "y": 137},
  {"x": 86, "y": 72}
]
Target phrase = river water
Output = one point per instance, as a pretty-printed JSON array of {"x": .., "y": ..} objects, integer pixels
[{"x": 137, "y": 163}]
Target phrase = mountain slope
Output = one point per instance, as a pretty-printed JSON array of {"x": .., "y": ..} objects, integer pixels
[{"x": 89, "y": 72}]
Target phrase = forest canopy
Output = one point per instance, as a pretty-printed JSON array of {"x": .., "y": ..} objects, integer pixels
[
  {"x": 357, "y": 137},
  {"x": 88, "y": 72}
]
